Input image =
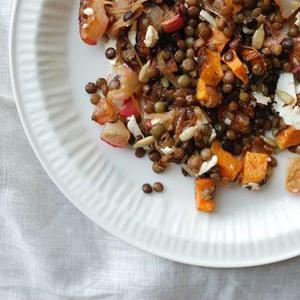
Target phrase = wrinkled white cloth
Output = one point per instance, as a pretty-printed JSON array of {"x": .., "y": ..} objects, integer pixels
[{"x": 49, "y": 250}]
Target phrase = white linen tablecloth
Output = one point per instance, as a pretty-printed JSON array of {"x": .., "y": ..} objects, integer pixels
[{"x": 49, "y": 250}]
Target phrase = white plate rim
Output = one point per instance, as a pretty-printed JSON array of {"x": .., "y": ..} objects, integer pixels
[{"x": 134, "y": 242}]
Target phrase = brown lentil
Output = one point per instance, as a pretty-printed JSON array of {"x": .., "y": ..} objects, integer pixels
[
  {"x": 193, "y": 11},
  {"x": 188, "y": 64},
  {"x": 147, "y": 188},
  {"x": 206, "y": 154},
  {"x": 233, "y": 106},
  {"x": 180, "y": 101},
  {"x": 157, "y": 167},
  {"x": 159, "y": 107},
  {"x": 288, "y": 43},
  {"x": 140, "y": 152},
  {"x": 95, "y": 98},
  {"x": 178, "y": 154},
  {"x": 199, "y": 43},
  {"x": 293, "y": 31},
  {"x": 227, "y": 88},
  {"x": 277, "y": 49},
  {"x": 154, "y": 155},
  {"x": 91, "y": 88},
  {"x": 228, "y": 56},
  {"x": 190, "y": 53},
  {"x": 110, "y": 53},
  {"x": 100, "y": 82},
  {"x": 258, "y": 69},
  {"x": 229, "y": 77},
  {"x": 189, "y": 31},
  {"x": 231, "y": 135},
  {"x": 158, "y": 187},
  {"x": 183, "y": 81},
  {"x": 244, "y": 97},
  {"x": 273, "y": 162},
  {"x": 157, "y": 131},
  {"x": 205, "y": 31}
]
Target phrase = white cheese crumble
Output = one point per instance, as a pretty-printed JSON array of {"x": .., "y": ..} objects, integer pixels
[
  {"x": 251, "y": 186},
  {"x": 289, "y": 112},
  {"x": 207, "y": 165},
  {"x": 167, "y": 150},
  {"x": 151, "y": 37},
  {"x": 88, "y": 11},
  {"x": 133, "y": 127},
  {"x": 260, "y": 98}
]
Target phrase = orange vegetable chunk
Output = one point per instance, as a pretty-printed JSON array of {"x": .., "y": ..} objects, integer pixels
[
  {"x": 255, "y": 167},
  {"x": 204, "y": 202},
  {"x": 208, "y": 96},
  {"x": 237, "y": 67},
  {"x": 288, "y": 137},
  {"x": 218, "y": 39},
  {"x": 229, "y": 165},
  {"x": 212, "y": 71},
  {"x": 292, "y": 179},
  {"x": 236, "y": 7}
]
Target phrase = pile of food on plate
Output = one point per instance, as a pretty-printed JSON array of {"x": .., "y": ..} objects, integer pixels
[{"x": 211, "y": 85}]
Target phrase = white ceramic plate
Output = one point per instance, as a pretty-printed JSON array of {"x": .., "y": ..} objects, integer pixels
[{"x": 50, "y": 67}]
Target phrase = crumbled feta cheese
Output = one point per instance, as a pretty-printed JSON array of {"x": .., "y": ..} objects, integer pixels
[
  {"x": 227, "y": 121},
  {"x": 289, "y": 112},
  {"x": 151, "y": 37},
  {"x": 212, "y": 136},
  {"x": 251, "y": 186},
  {"x": 88, "y": 11},
  {"x": 167, "y": 150},
  {"x": 260, "y": 98},
  {"x": 132, "y": 34},
  {"x": 207, "y": 165},
  {"x": 297, "y": 22},
  {"x": 133, "y": 127}
]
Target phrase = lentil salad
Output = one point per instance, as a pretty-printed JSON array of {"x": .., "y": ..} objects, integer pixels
[{"x": 210, "y": 85}]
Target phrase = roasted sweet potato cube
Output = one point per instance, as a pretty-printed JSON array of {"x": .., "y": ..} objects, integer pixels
[
  {"x": 292, "y": 179},
  {"x": 237, "y": 67},
  {"x": 218, "y": 39},
  {"x": 212, "y": 71},
  {"x": 255, "y": 167},
  {"x": 208, "y": 96},
  {"x": 229, "y": 165},
  {"x": 288, "y": 137},
  {"x": 204, "y": 193}
]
